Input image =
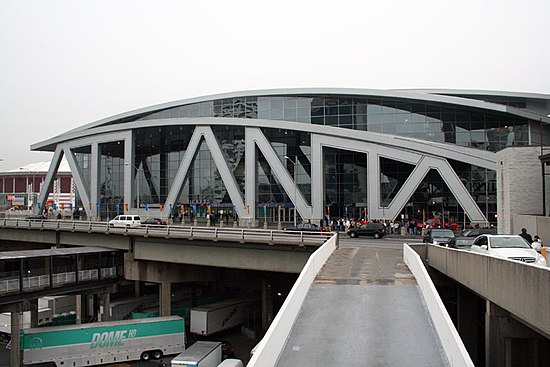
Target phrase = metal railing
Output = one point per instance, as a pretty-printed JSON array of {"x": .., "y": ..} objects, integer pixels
[
  {"x": 254, "y": 235},
  {"x": 30, "y": 283}
]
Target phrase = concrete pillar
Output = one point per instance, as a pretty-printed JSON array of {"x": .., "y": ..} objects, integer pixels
[
  {"x": 193, "y": 294},
  {"x": 267, "y": 303},
  {"x": 15, "y": 352},
  {"x": 78, "y": 308},
  {"x": 467, "y": 326},
  {"x": 137, "y": 288},
  {"x": 95, "y": 307},
  {"x": 106, "y": 307},
  {"x": 165, "y": 301},
  {"x": 85, "y": 308},
  {"x": 508, "y": 342},
  {"x": 34, "y": 312},
  {"x": 494, "y": 355}
]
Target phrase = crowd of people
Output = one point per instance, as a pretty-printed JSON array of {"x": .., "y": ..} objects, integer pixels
[{"x": 412, "y": 227}]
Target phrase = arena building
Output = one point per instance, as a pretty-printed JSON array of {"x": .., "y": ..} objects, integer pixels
[
  {"x": 20, "y": 187},
  {"x": 276, "y": 155}
]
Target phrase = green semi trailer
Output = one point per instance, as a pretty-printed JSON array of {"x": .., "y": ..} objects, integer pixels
[{"x": 104, "y": 342}]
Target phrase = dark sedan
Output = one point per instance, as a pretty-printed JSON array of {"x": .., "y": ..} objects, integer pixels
[
  {"x": 478, "y": 232},
  {"x": 464, "y": 243},
  {"x": 376, "y": 230},
  {"x": 304, "y": 227},
  {"x": 35, "y": 217},
  {"x": 154, "y": 221},
  {"x": 440, "y": 236}
]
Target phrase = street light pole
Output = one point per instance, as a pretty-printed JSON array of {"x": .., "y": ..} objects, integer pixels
[
  {"x": 32, "y": 183},
  {"x": 137, "y": 183},
  {"x": 294, "y": 164}
]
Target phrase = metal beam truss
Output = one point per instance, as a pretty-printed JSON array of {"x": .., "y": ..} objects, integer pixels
[{"x": 403, "y": 150}]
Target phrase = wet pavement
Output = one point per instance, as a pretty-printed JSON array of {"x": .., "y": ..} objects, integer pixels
[{"x": 363, "y": 309}]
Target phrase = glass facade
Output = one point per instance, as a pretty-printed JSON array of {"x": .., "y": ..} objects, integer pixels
[
  {"x": 160, "y": 149},
  {"x": 345, "y": 176},
  {"x": 111, "y": 179},
  {"x": 393, "y": 175},
  {"x": 345, "y": 172},
  {"x": 83, "y": 157},
  {"x": 159, "y": 152},
  {"x": 468, "y": 127}
]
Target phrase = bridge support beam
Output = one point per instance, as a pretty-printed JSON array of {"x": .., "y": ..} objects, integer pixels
[
  {"x": 467, "y": 322},
  {"x": 157, "y": 272},
  {"x": 510, "y": 343},
  {"x": 165, "y": 299},
  {"x": 137, "y": 288},
  {"x": 15, "y": 352},
  {"x": 267, "y": 303},
  {"x": 33, "y": 305},
  {"x": 106, "y": 307},
  {"x": 78, "y": 308}
]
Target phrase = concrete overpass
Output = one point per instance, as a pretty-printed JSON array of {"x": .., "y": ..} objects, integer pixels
[
  {"x": 235, "y": 248},
  {"x": 515, "y": 296}
]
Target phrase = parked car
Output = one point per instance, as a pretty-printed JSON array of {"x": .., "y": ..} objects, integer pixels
[
  {"x": 125, "y": 221},
  {"x": 35, "y": 217},
  {"x": 304, "y": 227},
  {"x": 376, "y": 230},
  {"x": 440, "y": 236},
  {"x": 464, "y": 243},
  {"x": 509, "y": 246},
  {"x": 478, "y": 231},
  {"x": 154, "y": 221},
  {"x": 434, "y": 222}
]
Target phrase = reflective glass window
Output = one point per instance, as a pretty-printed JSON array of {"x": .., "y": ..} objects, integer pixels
[{"x": 490, "y": 131}]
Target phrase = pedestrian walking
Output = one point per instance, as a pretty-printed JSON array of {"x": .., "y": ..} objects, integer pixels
[
  {"x": 526, "y": 235},
  {"x": 537, "y": 243}
]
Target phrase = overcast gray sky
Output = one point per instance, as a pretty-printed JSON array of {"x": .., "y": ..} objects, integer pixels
[{"x": 65, "y": 63}]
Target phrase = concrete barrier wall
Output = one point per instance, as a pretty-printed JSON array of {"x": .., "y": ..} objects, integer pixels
[
  {"x": 451, "y": 342},
  {"x": 270, "y": 347},
  {"x": 521, "y": 289}
]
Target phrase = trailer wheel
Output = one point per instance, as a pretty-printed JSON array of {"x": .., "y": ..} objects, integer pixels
[
  {"x": 145, "y": 356},
  {"x": 157, "y": 354}
]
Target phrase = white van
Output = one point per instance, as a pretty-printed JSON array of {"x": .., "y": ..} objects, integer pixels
[{"x": 125, "y": 221}]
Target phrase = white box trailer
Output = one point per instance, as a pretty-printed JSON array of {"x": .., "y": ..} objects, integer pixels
[
  {"x": 200, "y": 354},
  {"x": 231, "y": 362},
  {"x": 215, "y": 317},
  {"x": 58, "y": 304},
  {"x": 103, "y": 342},
  {"x": 44, "y": 318}
]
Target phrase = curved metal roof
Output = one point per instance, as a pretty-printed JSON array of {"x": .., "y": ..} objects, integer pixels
[{"x": 435, "y": 96}]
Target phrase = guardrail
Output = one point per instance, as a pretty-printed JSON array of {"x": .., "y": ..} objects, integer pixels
[
  {"x": 267, "y": 351},
  {"x": 176, "y": 231},
  {"x": 452, "y": 344}
]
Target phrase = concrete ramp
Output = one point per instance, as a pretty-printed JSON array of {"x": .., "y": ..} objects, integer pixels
[{"x": 364, "y": 309}]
